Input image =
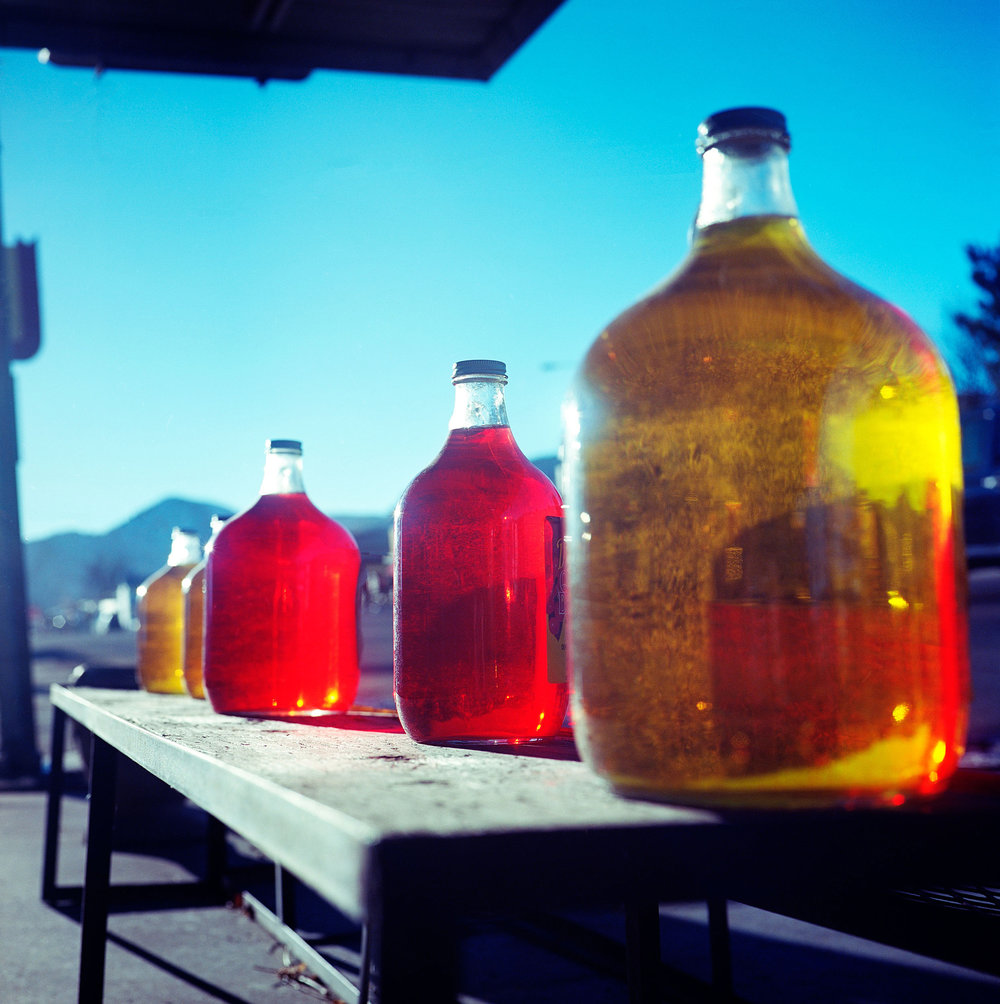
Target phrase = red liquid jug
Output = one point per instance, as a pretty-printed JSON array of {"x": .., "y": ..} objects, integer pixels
[
  {"x": 477, "y": 600},
  {"x": 281, "y": 592}
]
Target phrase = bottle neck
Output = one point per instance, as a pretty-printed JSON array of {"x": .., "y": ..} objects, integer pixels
[
  {"x": 218, "y": 522},
  {"x": 282, "y": 473},
  {"x": 478, "y": 403},
  {"x": 744, "y": 176},
  {"x": 185, "y": 549}
]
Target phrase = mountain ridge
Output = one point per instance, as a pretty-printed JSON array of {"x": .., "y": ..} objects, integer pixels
[{"x": 71, "y": 567}]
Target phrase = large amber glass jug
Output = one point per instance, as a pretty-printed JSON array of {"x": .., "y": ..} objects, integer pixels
[{"x": 763, "y": 485}]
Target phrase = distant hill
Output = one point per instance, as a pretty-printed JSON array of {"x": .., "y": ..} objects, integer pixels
[{"x": 66, "y": 568}]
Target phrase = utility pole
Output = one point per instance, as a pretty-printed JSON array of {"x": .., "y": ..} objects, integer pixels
[{"x": 19, "y": 757}]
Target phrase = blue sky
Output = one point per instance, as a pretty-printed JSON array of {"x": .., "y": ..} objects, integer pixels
[{"x": 222, "y": 262}]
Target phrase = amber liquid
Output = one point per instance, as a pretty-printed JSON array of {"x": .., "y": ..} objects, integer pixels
[
  {"x": 767, "y": 599},
  {"x": 160, "y": 612},
  {"x": 194, "y": 631},
  {"x": 281, "y": 596},
  {"x": 477, "y": 597}
]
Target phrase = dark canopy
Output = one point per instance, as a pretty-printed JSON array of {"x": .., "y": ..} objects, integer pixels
[{"x": 284, "y": 39}]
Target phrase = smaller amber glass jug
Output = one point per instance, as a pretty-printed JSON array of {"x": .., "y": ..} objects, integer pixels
[
  {"x": 193, "y": 588},
  {"x": 160, "y": 612}
]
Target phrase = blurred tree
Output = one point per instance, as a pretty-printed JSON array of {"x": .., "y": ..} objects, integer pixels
[{"x": 983, "y": 328}]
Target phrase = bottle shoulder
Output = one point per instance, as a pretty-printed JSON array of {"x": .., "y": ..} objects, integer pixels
[
  {"x": 490, "y": 452},
  {"x": 752, "y": 289},
  {"x": 164, "y": 577},
  {"x": 282, "y": 520},
  {"x": 489, "y": 471},
  {"x": 756, "y": 257},
  {"x": 195, "y": 574}
]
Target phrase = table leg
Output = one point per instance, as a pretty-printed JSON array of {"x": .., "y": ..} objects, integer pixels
[
  {"x": 721, "y": 949},
  {"x": 412, "y": 931},
  {"x": 284, "y": 897},
  {"x": 97, "y": 875},
  {"x": 53, "y": 809},
  {"x": 642, "y": 950},
  {"x": 365, "y": 966},
  {"x": 215, "y": 856},
  {"x": 414, "y": 957}
]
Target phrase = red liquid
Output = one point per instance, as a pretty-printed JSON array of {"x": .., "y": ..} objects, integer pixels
[
  {"x": 477, "y": 599},
  {"x": 803, "y": 685},
  {"x": 281, "y": 612}
]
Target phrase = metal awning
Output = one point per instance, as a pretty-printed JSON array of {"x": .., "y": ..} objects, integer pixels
[{"x": 276, "y": 39}]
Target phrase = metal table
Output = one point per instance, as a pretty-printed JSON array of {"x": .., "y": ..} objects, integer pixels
[{"x": 405, "y": 838}]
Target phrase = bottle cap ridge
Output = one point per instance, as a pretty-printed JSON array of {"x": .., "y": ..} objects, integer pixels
[
  {"x": 478, "y": 367},
  {"x": 284, "y": 445},
  {"x": 765, "y": 123}
]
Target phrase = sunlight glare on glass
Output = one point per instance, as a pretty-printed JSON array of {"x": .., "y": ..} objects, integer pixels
[{"x": 896, "y": 601}]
